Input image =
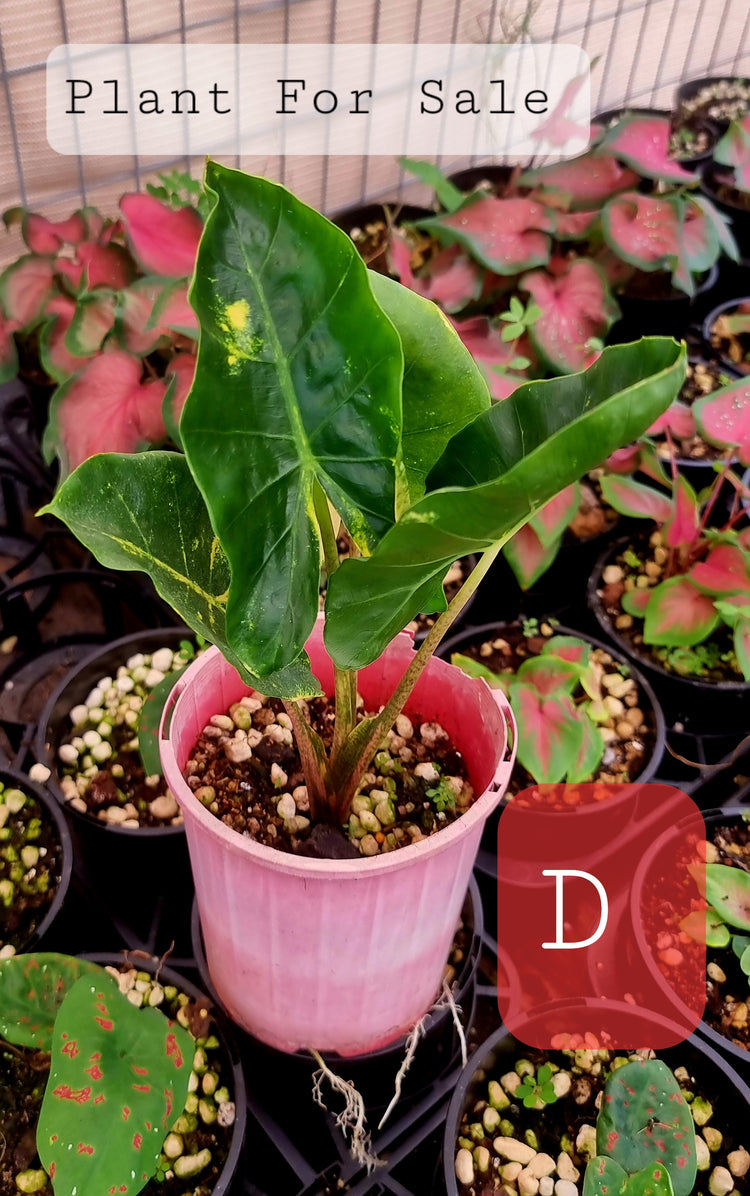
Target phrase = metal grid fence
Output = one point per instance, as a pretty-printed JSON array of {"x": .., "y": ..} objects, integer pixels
[{"x": 643, "y": 49}]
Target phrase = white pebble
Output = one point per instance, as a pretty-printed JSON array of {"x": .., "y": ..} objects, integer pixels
[
  {"x": 91, "y": 738},
  {"x": 95, "y": 698},
  {"x": 130, "y": 824},
  {"x": 101, "y": 752},
  {"x": 566, "y": 1168},
  {"x": 517, "y": 1152},
  {"x": 7, "y": 951},
  {"x": 404, "y": 727},
  {"x": 124, "y": 684},
  {"x": 565, "y": 1187},
  {"x": 251, "y": 704},
  {"x": 427, "y": 771},
  {"x": 222, "y": 721},
  {"x": 541, "y": 1165},
  {"x": 78, "y": 715},
  {"x": 115, "y": 814},
  {"x": 286, "y": 806},
  {"x": 164, "y": 806},
  {"x": 284, "y": 720},
  {"x": 153, "y": 677},
  {"x": 225, "y": 1113},
  {"x": 431, "y": 734},
  {"x": 528, "y": 1184},
  {"x": 237, "y": 751},
  {"x": 278, "y": 777},
  {"x": 301, "y": 797},
  {"x": 162, "y": 660},
  {"x": 39, "y": 772},
  {"x": 135, "y": 662},
  {"x": 546, "y": 1186},
  {"x": 104, "y": 729},
  {"x": 67, "y": 753},
  {"x": 465, "y": 1167}
]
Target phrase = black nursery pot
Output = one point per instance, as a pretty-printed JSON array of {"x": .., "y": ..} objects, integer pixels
[
  {"x": 288, "y": 1077},
  {"x": 596, "y": 824},
  {"x": 222, "y": 1026},
  {"x": 661, "y": 315},
  {"x": 48, "y": 934},
  {"x": 708, "y": 323},
  {"x": 688, "y": 161},
  {"x": 474, "y": 176},
  {"x": 140, "y": 877},
  {"x": 714, "y": 177},
  {"x": 711, "y": 1071},
  {"x": 687, "y": 91},
  {"x": 701, "y": 707},
  {"x": 374, "y": 213}
]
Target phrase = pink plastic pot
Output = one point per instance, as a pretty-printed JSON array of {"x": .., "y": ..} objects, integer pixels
[{"x": 336, "y": 955}]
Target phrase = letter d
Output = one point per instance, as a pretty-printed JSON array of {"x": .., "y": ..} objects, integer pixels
[{"x": 560, "y": 943}]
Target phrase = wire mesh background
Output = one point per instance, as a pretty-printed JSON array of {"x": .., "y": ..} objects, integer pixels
[{"x": 643, "y": 50}]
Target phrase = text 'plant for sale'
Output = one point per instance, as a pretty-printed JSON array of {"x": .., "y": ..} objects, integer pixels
[{"x": 320, "y": 386}]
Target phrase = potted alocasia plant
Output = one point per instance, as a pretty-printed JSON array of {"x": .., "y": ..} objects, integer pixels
[{"x": 319, "y": 385}]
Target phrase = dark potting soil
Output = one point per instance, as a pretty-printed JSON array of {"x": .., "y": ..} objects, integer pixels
[
  {"x": 641, "y": 566},
  {"x": 724, "y": 100},
  {"x": 23, "y": 1076},
  {"x": 564, "y": 1129},
  {"x": 246, "y": 770},
  {"x": 691, "y": 136},
  {"x": 30, "y": 866},
  {"x": 371, "y": 243},
  {"x": 629, "y": 731},
  {"x": 594, "y": 516},
  {"x": 702, "y": 378},
  {"x": 654, "y": 286},
  {"x": 733, "y": 345},
  {"x": 727, "y": 986}
]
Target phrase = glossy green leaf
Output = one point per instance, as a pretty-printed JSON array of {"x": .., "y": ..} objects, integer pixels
[
  {"x": 149, "y": 720},
  {"x": 498, "y": 471},
  {"x": 118, "y": 1079},
  {"x": 297, "y": 382},
  {"x": 447, "y": 193},
  {"x": 740, "y": 944},
  {"x": 591, "y": 751},
  {"x": 728, "y": 891},
  {"x": 143, "y": 511},
  {"x": 605, "y": 1177},
  {"x": 32, "y": 989},
  {"x": 443, "y": 388}
]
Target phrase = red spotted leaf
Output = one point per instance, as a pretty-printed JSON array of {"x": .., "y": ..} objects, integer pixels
[
  {"x": 643, "y": 229},
  {"x": 493, "y": 355},
  {"x": 505, "y": 235},
  {"x": 677, "y": 419},
  {"x": 104, "y": 408},
  {"x": 726, "y": 570},
  {"x": 634, "y": 602},
  {"x": 32, "y": 989},
  {"x": 683, "y": 522},
  {"x": 723, "y": 418},
  {"x": 164, "y": 240},
  {"x": 118, "y": 1079},
  {"x": 47, "y": 236},
  {"x": 678, "y": 614},
  {"x": 56, "y": 357},
  {"x": 643, "y": 143},
  {"x": 575, "y": 307},
  {"x": 588, "y": 180},
  {"x": 25, "y": 289},
  {"x": 528, "y": 557},
  {"x": 549, "y": 674},
  {"x": 550, "y": 734},
  {"x": 633, "y": 498}
]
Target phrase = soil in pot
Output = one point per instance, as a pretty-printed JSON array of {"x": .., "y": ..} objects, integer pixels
[
  {"x": 101, "y": 769},
  {"x": 370, "y": 230},
  {"x": 625, "y": 718},
  {"x": 30, "y": 866},
  {"x": 718, "y": 99},
  {"x": 196, "y": 1149},
  {"x": 702, "y": 378},
  {"x": 641, "y": 565},
  {"x": 729, "y": 335},
  {"x": 502, "y": 1144},
  {"x": 246, "y": 770}
]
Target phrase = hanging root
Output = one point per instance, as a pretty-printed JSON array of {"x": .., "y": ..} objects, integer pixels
[
  {"x": 449, "y": 1000},
  {"x": 352, "y": 1118}
]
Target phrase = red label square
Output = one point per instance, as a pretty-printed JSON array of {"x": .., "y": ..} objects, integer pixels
[{"x": 594, "y": 881}]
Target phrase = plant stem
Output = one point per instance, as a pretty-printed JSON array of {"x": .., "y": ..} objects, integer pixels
[
  {"x": 390, "y": 712},
  {"x": 713, "y": 497},
  {"x": 345, "y": 680}
]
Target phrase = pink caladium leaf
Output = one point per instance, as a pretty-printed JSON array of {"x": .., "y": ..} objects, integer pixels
[
  {"x": 633, "y": 498},
  {"x": 8, "y": 354},
  {"x": 550, "y": 733},
  {"x": 568, "y": 647},
  {"x": 528, "y": 557},
  {"x": 134, "y": 325},
  {"x": 682, "y": 525},
  {"x": 722, "y": 225},
  {"x": 104, "y": 408},
  {"x": 452, "y": 279},
  {"x": 590, "y": 754},
  {"x": 700, "y": 240},
  {"x": 576, "y": 307},
  {"x": 677, "y": 419},
  {"x": 549, "y": 675},
  {"x": 25, "y": 288},
  {"x": 743, "y": 538},
  {"x": 505, "y": 235},
  {"x": 616, "y": 271},
  {"x": 575, "y": 226},
  {"x": 587, "y": 180},
  {"x": 559, "y": 127},
  {"x": 643, "y": 143},
  {"x": 734, "y": 150},
  {"x": 678, "y": 614},
  {"x": 723, "y": 418},
  {"x": 172, "y": 310},
  {"x": 71, "y": 274},
  {"x": 57, "y": 359},
  {"x": 624, "y": 460},
  {"x": 634, "y": 602},
  {"x": 93, "y": 320},
  {"x": 164, "y": 240},
  {"x": 550, "y": 523},
  {"x": 643, "y": 229},
  {"x": 105, "y": 265},
  {"x": 726, "y": 570},
  {"x": 399, "y": 258},
  {"x": 118, "y": 1077},
  {"x": 180, "y": 374},
  {"x": 493, "y": 355},
  {"x": 47, "y": 236}
]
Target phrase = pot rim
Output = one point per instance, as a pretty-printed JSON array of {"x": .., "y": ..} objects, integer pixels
[
  {"x": 353, "y": 869},
  {"x": 44, "y": 756},
  {"x": 708, "y": 324},
  {"x": 48, "y": 803},
  {"x": 660, "y": 722},
  {"x": 605, "y": 623}
]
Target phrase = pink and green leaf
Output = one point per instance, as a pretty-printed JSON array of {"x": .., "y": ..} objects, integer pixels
[
  {"x": 58, "y": 361},
  {"x": 682, "y": 524},
  {"x": 105, "y": 266},
  {"x": 47, "y": 236},
  {"x": 590, "y": 755},
  {"x": 32, "y": 989},
  {"x": 576, "y": 307},
  {"x": 568, "y": 647},
  {"x": 25, "y": 289},
  {"x": 505, "y": 235},
  {"x": 705, "y": 926},
  {"x": 726, "y": 570},
  {"x": 549, "y": 675},
  {"x": 644, "y": 230},
  {"x": 134, "y": 326},
  {"x": 8, "y": 354},
  {"x": 550, "y": 734},
  {"x": 722, "y": 225},
  {"x": 92, "y": 322},
  {"x": 677, "y": 419},
  {"x": 588, "y": 180},
  {"x": 180, "y": 374},
  {"x": 734, "y": 150},
  {"x": 634, "y": 602},
  {"x": 575, "y": 226},
  {"x": 679, "y": 615},
  {"x": 742, "y": 646},
  {"x": 642, "y": 142},
  {"x": 635, "y": 499},
  {"x": 485, "y": 343},
  {"x": 118, "y": 1079},
  {"x": 723, "y": 418},
  {"x": 164, "y": 240},
  {"x": 528, "y": 557},
  {"x": 452, "y": 279},
  {"x": 172, "y": 310}
]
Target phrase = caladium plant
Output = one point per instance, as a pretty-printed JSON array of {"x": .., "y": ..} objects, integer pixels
[
  {"x": 118, "y": 1074},
  {"x": 734, "y": 151},
  {"x": 338, "y": 386},
  {"x": 723, "y": 918},
  {"x": 106, "y": 303}
]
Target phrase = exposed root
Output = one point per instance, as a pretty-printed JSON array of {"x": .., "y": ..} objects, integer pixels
[
  {"x": 449, "y": 1000},
  {"x": 353, "y": 1117}
]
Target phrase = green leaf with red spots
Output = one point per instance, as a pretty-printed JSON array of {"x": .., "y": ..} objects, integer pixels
[
  {"x": 550, "y": 733},
  {"x": 118, "y": 1080},
  {"x": 645, "y": 1120},
  {"x": 576, "y": 308},
  {"x": 605, "y": 1177},
  {"x": 588, "y": 180},
  {"x": 723, "y": 418},
  {"x": 728, "y": 892},
  {"x": 678, "y": 615},
  {"x": 633, "y": 498},
  {"x": 32, "y": 989},
  {"x": 505, "y": 235},
  {"x": 643, "y": 143}
]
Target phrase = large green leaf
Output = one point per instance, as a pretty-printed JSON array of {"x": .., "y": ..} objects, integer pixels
[
  {"x": 497, "y": 473},
  {"x": 297, "y": 382},
  {"x": 143, "y": 511},
  {"x": 443, "y": 388},
  {"x": 118, "y": 1080},
  {"x": 32, "y": 989}
]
